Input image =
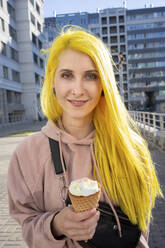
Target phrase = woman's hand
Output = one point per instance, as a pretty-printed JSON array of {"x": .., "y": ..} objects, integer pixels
[{"x": 76, "y": 226}]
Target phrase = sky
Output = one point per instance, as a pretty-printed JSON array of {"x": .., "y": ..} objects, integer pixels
[{"x": 70, "y": 6}]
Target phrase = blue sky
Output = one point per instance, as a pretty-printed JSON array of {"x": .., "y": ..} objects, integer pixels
[{"x": 68, "y": 6}]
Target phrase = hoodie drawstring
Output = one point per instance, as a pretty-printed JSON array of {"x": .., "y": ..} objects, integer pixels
[
  {"x": 105, "y": 193},
  {"x": 97, "y": 171}
]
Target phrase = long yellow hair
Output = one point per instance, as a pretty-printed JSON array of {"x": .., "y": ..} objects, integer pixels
[{"x": 122, "y": 155}]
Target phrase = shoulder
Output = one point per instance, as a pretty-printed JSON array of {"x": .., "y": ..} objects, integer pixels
[
  {"x": 34, "y": 145},
  {"x": 35, "y": 139},
  {"x": 31, "y": 155}
]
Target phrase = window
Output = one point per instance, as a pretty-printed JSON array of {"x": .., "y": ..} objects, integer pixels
[
  {"x": 125, "y": 86},
  {"x": 113, "y": 39},
  {"x": 104, "y": 20},
  {"x": 34, "y": 39},
  {"x": 12, "y": 32},
  {"x": 14, "y": 54},
  {"x": 121, "y": 29},
  {"x": 5, "y": 72},
  {"x": 15, "y": 76},
  {"x": 2, "y": 25},
  {"x": 3, "y": 48},
  {"x": 17, "y": 97},
  {"x": 122, "y": 38},
  {"x": 115, "y": 59},
  {"x": 11, "y": 10},
  {"x": 122, "y": 48},
  {"x": 124, "y": 67},
  {"x": 32, "y": 19},
  {"x": 37, "y": 78},
  {"x": 112, "y": 19},
  {"x": 126, "y": 96},
  {"x": 39, "y": 26},
  {"x": 1, "y": 3},
  {"x": 104, "y": 30},
  {"x": 105, "y": 39},
  {"x": 117, "y": 77},
  {"x": 9, "y": 96},
  {"x": 125, "y": 77},
  {"x": 121, "y": 19},
  {"x": 93, "y": 20},
  {"x": 41, "y": 63},
  {"x": 114, "y": 49},
  {"x": 38, "y": 8},
  {"x": 40, "y": 44},
  {"x": 113, "y": 30},
  {"x": 35, "y": 58},
  {"x": 95, "y": 30}
]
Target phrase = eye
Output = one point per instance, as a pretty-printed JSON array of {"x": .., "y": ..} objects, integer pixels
[
  {"x": 92, "y": 76},
  {"x": 66, "y": 75}
]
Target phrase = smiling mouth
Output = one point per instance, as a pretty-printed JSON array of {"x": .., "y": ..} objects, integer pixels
[{"x": 77, "y": 103}]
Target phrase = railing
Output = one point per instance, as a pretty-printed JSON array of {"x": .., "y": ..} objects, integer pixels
[
  {"x": 152, "y": 126},
  {"x": 12, "y": 120}
]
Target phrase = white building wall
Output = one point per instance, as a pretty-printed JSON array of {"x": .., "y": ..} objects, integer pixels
[{"x": 27, "y": 86}]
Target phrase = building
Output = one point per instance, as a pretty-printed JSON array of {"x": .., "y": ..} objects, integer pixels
[
  {"x": 53, "y": 25},
  {"x": 136, "y": 39},
  {"x": 79, "y": 19},
  {"x": 49, "y": 30},
  {"x": 113, "y": 34},
  {"x": 94, "y": 24},
  {"x": 146, "y": 55},
  {"x": 109, "y": 25},
  {"x": 21, "y": 63}
]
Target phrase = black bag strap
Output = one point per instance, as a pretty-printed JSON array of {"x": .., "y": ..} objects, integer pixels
[{"x": 55, "y": 152}]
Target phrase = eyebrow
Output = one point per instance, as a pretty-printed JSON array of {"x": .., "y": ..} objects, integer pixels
[{"x": 88, "y": 71}]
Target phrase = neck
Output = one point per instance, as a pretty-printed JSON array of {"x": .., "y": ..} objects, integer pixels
[{"x": 77, "y": 127}]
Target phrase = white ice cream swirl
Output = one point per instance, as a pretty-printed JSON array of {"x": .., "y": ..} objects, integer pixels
[{"x": 83, "y": 187}]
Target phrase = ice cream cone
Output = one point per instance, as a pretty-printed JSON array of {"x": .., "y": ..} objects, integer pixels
[{"x": 82, "y": 203}]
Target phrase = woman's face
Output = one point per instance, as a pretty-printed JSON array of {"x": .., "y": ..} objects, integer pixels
[{"x": 77, "y": 84}]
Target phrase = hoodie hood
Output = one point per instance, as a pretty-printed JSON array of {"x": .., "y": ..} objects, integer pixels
[
  {"x": 55, "y": 130},
  {"x": 75, "y": 152}
]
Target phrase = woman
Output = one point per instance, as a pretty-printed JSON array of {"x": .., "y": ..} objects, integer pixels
[{"x": 84, "y": 111}]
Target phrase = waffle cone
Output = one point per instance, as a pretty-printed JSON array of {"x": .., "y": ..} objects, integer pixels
[{"x": 82, "y": 203}]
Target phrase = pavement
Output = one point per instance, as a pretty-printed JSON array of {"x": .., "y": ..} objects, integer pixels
[{"x": 10, "y": 231}]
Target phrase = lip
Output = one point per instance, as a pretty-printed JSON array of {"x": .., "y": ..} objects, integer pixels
[{"x": 77, "y": 103}]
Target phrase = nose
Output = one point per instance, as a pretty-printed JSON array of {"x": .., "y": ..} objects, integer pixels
[{"x": 78, "y": 87}]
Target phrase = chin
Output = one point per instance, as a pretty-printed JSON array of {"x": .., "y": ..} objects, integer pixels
[{"x": 80, "y": 116}]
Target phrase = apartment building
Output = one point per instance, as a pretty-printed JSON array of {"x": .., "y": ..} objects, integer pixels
[
  {"x": 146, "y": 56},
  {"x": 107, "y": 24},
  {"x": 21, "y": 62},
  {"x": 136, "y": 39},
  {"x": 113, "y": 33},
  {"x": 53, "y": 25}
]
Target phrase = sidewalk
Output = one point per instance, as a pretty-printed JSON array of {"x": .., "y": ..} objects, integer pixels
[{"x": 10, "y": 231}]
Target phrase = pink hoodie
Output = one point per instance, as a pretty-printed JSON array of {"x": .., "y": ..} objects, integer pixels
[{"x": 34, "y": 189}]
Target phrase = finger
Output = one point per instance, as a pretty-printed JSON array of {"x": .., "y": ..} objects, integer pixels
[
  {"x": 84, "y": 237},
  {"x": 81, "y": 221},
  {"x": 90, "y": 223},
  {"x": 84, "y": 215},
  {"x": 85, "y": 232}
]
